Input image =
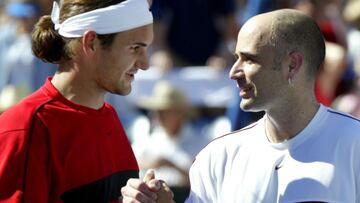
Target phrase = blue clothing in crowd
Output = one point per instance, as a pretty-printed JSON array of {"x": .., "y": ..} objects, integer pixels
[{"x": 193, "y": 33}]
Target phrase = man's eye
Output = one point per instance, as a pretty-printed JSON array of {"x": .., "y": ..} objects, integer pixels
[
  {"x": 135, "y": 48},
  {"x": 249, "y": 61}
]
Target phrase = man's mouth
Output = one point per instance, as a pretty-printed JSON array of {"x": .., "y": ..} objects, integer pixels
[
  {"x": 245, "y": 91},
  {"x": 131, "y": 76}
]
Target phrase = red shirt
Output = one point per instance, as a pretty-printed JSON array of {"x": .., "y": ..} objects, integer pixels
[{"x": 53, "y": 150}]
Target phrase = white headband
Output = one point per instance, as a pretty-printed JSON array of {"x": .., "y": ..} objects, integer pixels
[{"x": 124, "y": 16}]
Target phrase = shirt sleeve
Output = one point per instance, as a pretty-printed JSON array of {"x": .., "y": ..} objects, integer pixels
[
  {"x": 24, "y": 171},
  {"x": 203, "y": 185}
]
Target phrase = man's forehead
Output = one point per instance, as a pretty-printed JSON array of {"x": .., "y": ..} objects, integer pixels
[
  {"x": 258, "y": 25},
  {"x": 144, "y": 32},
  {"x": 253, "y": 37}
]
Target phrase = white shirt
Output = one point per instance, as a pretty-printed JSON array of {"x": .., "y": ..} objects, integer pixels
[{"x": 321, "y": 163}]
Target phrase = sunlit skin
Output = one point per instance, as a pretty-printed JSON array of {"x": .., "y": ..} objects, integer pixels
[
  {"x": 127, "y": 55},
  {"x": 263, "y": 75},
  {"x": 96, "y": 70},
  {"x": 260, "y": 80}
]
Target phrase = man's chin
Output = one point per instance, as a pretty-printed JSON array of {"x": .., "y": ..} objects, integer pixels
[
  {"x": 125, "y": 92},
  {"x": 245, "y": 105},
  {"x": 122, "y": 92},
  {"x": 249, "y": 107}
]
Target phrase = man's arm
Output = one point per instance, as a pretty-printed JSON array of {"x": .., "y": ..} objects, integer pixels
[
  {"x": 203, "y": 186},
  {"x": 24, "y": 174}
]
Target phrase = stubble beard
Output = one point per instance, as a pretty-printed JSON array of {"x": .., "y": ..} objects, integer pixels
[
  {"x": 122, "y": 89},
  {"x": 250, "y": 105}
]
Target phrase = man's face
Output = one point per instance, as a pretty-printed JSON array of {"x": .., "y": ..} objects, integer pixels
[
  {"x": 257, "y": 71},
  {"x": 118, "y": 64}
]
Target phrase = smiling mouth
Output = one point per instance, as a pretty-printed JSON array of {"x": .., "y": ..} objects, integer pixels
[
  {"x": 245, "y": 92},
  {"x": 131, "y": 76}
]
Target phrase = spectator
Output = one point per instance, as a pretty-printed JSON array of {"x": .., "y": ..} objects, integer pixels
[
  {"x": 191, "y": 32},
  {"x": 21, "y": 68},
  {"x": 169, "y": 110},
  {"x": 11, "y": 95}
]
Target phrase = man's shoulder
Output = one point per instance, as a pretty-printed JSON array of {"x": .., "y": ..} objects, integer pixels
[
  {"x": 344, "y": 122},
  {"x": 335, "y": 114},
  {"x": 234, "y": 139},
  {"x": 242, "y": 133},
  {"x": 227, "y": 147},
  {"x": 343, "y": 128},
  {"x": 19, "y": 116}
]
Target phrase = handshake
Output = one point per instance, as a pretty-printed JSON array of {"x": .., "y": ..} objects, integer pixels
[{"x": 148, "y": 190}]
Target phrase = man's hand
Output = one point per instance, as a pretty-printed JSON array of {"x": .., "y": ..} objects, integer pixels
[
  {"x": 150, "y": 190},
  {"x": 165, "y": 195}
]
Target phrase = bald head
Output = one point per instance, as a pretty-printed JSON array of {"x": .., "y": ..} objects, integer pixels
[{"x": 287, "y": 31}]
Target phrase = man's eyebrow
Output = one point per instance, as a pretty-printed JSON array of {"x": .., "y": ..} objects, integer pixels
[
  {"x": 140, "y": 44},
  {"x": 248, "y": 54},
  {"x": 245, "y": 54}
]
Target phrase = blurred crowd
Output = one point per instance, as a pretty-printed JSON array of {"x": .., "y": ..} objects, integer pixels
[{"x": 188, "y": 34}]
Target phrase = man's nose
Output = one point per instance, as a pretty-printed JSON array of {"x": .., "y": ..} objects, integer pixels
[
  {"x": 236, "y": 71},
  {"x": 143, "y": 62}
]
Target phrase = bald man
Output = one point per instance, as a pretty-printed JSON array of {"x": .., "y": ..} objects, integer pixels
[{"x": 300, "y": 151}]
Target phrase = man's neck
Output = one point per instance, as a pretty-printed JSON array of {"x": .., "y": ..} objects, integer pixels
[
  {"x": 78, "y": 90},
  {"x": 288, "y": 122}
]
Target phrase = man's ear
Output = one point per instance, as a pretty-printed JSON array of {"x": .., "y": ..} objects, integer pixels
[
  {"x": 295, "y": 63},
  {"x": 88, "y": 41}
]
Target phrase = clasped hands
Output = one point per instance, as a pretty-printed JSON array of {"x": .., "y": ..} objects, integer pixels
[{"x": 148, "y": 190}]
